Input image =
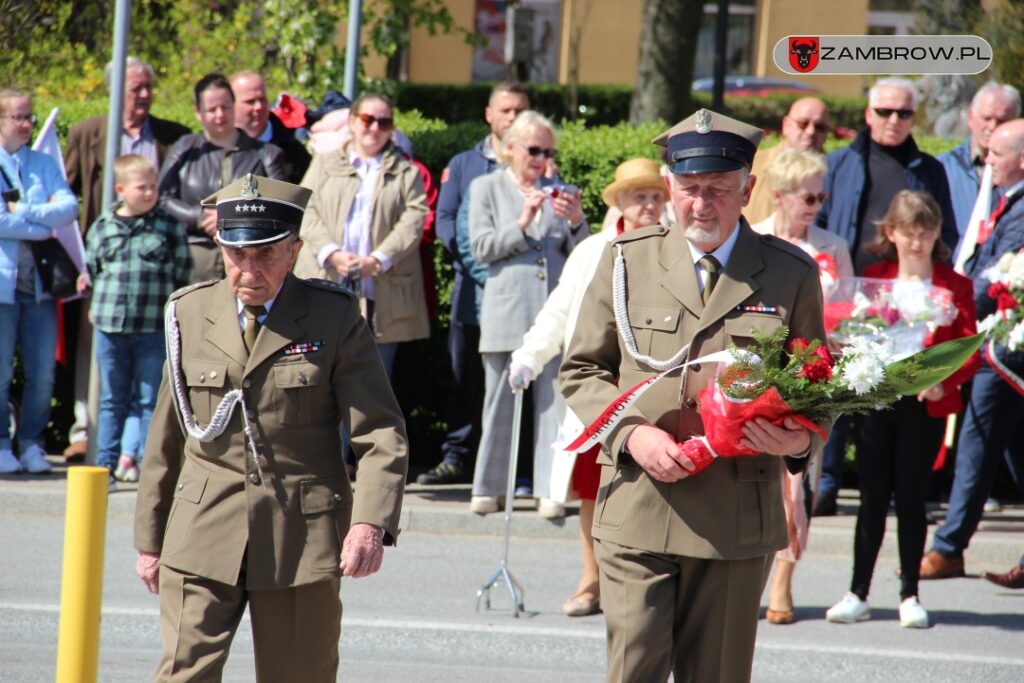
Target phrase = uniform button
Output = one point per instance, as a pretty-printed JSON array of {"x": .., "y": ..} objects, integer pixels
[
  {"x": 761, "y": 471},
  {"x": 181, "y": 487},
  {"x": 302, "y": 379},
  {"x": 541, "y": 276},
  {"x": 213, "y": 374},
  {"x": 255, "y": 479},
  {"x": 246, "y": 383},
  {"x": 695, "y": 367},
  {"x": 691, "y": 403},
  {"x": 202, "y": 377},
  {"x": 337, "y": 496},
  {"x": 648, "y": 321}
]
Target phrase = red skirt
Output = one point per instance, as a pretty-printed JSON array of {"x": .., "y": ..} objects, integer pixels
[{"x": 586, "y": 473}]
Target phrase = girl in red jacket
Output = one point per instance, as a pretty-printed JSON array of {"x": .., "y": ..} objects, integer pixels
[{"x": 896, "y": 447}]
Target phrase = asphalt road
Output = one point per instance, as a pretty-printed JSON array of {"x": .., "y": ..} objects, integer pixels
[{"x": 416, "y": 620}]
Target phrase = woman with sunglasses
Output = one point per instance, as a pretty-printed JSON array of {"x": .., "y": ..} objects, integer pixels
[
  {"x": 523, "y": 226},
  {"x": 795, "y": 180},
  {"x": 363, "y": 226}
]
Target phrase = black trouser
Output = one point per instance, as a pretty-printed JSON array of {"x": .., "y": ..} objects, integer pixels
[
  {"x": 466, "y": 397},
  {"x": 895, "y": 452}
]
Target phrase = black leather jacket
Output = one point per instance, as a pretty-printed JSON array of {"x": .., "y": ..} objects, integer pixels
[{"x": 192, "y": 172}]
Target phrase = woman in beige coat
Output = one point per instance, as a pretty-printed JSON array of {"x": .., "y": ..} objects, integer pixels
[{"x": 363, "y": 226}]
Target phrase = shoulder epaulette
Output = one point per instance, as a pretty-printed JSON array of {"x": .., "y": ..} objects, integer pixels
[
  {"x": 642, "y": 233},
  {"x": 787, "y": 248},
  {"x": 329, "y": 285},
  {"x": 190, "y": 288}
]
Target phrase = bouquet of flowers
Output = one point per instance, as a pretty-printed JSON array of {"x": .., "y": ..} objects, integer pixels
[
  {"x": 805, "y": 382},
  {"x": 897, "y": 313},
  {"x": 1006, "y": 325}
]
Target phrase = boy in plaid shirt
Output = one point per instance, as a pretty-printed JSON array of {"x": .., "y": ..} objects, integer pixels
[{"x": 136, "y": 255}]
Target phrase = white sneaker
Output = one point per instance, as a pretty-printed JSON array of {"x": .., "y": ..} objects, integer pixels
[
  {"x": 483, "y": 505},
  {"x": 550, "y": 509},
  {"x": 8, "y": 463},
  {"x": 849, "y": 610},
  {"x": 33, "y": 459},
  {"x": 912, "y": 615}
]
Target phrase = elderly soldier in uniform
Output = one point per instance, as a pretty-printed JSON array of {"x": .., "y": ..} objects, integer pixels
[
  {"x": 244, "y": 496},
  {"x": 684, "y": 560}
]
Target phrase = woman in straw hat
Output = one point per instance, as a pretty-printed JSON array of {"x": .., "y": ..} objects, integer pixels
[{"x": 639, "y": 193}]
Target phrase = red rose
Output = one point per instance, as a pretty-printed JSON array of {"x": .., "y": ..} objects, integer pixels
[
  {"x": 1006, "y": 301},
  {"x": 817, "y": 371},
  {"x": 997, "y": 289},
  {"x": 822, "y": 353}
]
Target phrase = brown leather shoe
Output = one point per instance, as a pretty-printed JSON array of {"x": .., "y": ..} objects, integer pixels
[
  {"x": 935, "y": 565},
  {"x": 1011, "y": 579},
  {"x": 75, "y": 452}
]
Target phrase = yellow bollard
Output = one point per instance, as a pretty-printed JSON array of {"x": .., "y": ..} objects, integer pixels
[{"x": 85, "y": 526}]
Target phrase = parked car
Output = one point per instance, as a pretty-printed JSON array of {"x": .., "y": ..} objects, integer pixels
[{"x": 755, "y": 86}]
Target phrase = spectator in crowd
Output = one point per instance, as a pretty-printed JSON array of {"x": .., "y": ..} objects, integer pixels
[
  {"x": 682, "y": 571},
  {"x": 804, "y": 127},
  {"x": 202, "y": 163},
  {"x": 36, "y": 202},
  {"x": 860, "y": 183},
  {"x": 523, "y": 229},
  {"x": 136, "y": 256},
  {"x": 794, "y": 181},
  {"x": 994, "y": 419},
  {"x": 465, "y": 399},
  {"x": 252, "y": 510},
  {"x": 896, "y": 447},
  {"x": 363, "y": 228},
  {"x": 141, "y": 134},
  {"x": 1014, "y": 578},
  {"x": 639, "y": 193},
  {"x": 993, "y": 104},
  {"x": 253, "y": 115}
]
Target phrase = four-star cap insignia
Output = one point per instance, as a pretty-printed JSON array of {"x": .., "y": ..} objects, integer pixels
[{"x": 703, "y": 123}]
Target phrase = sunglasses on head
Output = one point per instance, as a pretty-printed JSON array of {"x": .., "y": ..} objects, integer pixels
[
  {"x": 819, "y": 126},
  {"x": 886, "y": 112},
  {"x": 384, "y": 123},
  {"x": 535, "y": 151},
  {"x": 812, "y": 199}
]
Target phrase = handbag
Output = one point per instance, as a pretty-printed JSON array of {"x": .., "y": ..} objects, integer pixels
[{"x": 55, "y": 267}]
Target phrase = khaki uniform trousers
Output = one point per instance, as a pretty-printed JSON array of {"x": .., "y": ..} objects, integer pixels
[
  {"x": 695, "y": 618},
  {"x": 295, "y": 631}
]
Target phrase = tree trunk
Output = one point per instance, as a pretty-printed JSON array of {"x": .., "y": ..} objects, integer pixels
[{"x": 664, "y": 73}]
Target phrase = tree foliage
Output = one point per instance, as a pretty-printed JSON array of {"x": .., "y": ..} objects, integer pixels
[
  {"x": 1003, "y": 27},
  {"x": 668, "y": 45},
  {"x": 59, "y": 47}
]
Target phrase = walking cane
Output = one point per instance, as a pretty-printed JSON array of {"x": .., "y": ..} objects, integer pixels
[{"x": 502, "y": 573}]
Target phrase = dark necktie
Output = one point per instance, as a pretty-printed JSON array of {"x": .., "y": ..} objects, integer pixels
[
  {"x": 252, "y": 326},
  {"x": 712, "y": 266},
  {"x": 988, "y": 226}
]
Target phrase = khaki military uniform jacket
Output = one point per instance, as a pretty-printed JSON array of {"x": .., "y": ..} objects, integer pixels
[
  {"x": 203, "y": 507},
  {"x": 396, "y": 228},
  {"x": 733, "y": 509}
]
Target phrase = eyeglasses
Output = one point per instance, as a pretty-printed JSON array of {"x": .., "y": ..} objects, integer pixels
[
  {"x": 383, "y": 122},
  {"x": 886, "y": 112},
  {"x": 812, "y": 199},
  {"x": 31, "y": 118},
  {"x": 535, "y": 151},
  {"x": 819, "y": 126}
]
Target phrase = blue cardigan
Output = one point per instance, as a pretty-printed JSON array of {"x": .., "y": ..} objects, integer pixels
[
  {"x": 964, "y": 182},
  {"x": 844, "y": 183}
]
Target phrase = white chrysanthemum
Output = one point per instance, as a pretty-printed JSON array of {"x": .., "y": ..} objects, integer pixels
[
  {"x": 1015, "y": 339},
  {"x": 864, "y": 346},
  {"x": 863, "y": 373},
  {"x": 989, "y": 322}
]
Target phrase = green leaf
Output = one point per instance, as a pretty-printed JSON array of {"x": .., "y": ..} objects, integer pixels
[{"x": 936, "y": 363}]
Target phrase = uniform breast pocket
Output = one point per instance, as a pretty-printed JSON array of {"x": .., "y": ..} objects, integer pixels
[
  {"x": 740, "y": 330},
  {"x": 206, "y": 387},
  {"x": 655, "y": 328},
  {"x": 300, "y": 389}
]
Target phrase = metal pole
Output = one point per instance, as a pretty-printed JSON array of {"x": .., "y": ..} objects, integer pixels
[
  {"x": 721, "y": 49},
  {"x": 355, "y": 25},
  {"x": 115, "y": 123},
  {"x": 81, "y": 590}
]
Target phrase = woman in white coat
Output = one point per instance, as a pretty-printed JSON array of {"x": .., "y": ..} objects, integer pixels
[{"x": 639, "y": 193}]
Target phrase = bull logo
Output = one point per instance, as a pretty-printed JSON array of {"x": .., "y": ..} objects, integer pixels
[{"x": 803, "y": 53}]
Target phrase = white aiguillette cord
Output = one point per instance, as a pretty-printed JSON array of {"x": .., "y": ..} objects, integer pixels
[{"x": 222, "y": 415}]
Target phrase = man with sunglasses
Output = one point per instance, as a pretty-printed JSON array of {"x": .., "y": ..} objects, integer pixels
[
  {"x": 465, "y": 399},
  {"x": 804, "y": 127},
  {"x": 861, "y": 181}
]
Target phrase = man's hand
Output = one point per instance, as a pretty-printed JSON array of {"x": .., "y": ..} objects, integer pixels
[
  {"x": 343, "y": 262},
  {"x": 208, "y": 222},
  {"x": 362, "y": 552},
  {"x": 658, "y": 454},
  {"x": 83, "y": 283},
  {"x": 932, "y": 393},
  {"x": 762, "y": 436},
  {"x": 148, "y": 569},
  {"x": 369, "y": 266}
]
